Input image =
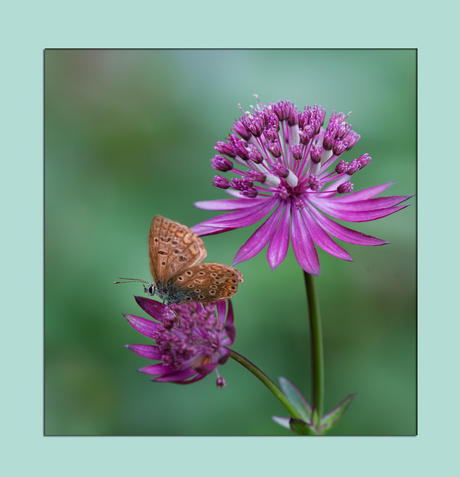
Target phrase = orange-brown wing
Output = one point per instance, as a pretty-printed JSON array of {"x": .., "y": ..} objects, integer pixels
[
  {"x": 172, "y": 247},
  {"x": 209, "y": 281}
]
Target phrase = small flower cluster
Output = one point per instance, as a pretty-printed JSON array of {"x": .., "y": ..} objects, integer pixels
[
  {"x": 284, "y": 159},
  {"x": 191, "y": 339}
]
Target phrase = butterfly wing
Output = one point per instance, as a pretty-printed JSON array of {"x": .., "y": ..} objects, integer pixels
[
  {"x": 172, "y": 248},
  {"x": 208, "y": 281}
]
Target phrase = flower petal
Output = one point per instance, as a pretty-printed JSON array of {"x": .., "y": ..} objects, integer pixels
[
  {"x": 146, "y": 327},
  {"x": 146, "y": 351},
  {"x": 353, "y": 216},
  {"x": 227, "y": 204},
  {"x": 365, "y": 193},
  {"x": 206, "y": 369},
  {"x": 322, "y": 239},
  {"x": 152, "y": 307},
  {"x": 368, "y": 204},
  {"x": 178, "y": 376},
  {"x": 279, "y": 244},
  {"x": 225, "y": 354},
  {"x": 221, "y": 308},
  {"x": 259, "y": 238},
  {"x": 343, "y": 233},
  {"x": 230, "y": 313},
  {"x": 241, "y": 218},
  {"x": 302, "y": 243},
  {"x": 202, "y": 230},
  {"x": 159, "y": 368}
]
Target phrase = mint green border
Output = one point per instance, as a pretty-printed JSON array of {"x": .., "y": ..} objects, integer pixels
[{"x": 31, "y": 27}]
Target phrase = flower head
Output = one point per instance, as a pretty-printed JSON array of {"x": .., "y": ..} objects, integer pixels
[
  {"x": 190, "y": 349},
  {"x": 289, "y": 165}
]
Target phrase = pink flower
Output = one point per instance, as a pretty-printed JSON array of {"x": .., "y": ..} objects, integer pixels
[
  {"x": 289, "y": 166},
  {"x": 190, "y": 349}
]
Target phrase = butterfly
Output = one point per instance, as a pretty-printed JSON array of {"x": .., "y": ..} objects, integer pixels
[{"x": 175, "y": 256}]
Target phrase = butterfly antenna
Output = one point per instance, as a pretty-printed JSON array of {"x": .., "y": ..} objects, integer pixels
[{"x": 131, "y": 280}]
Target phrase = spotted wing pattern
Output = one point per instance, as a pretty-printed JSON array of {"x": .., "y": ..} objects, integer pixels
[
  {"x": 208, "y": 281},
  {"x": 173, "y": 248}
]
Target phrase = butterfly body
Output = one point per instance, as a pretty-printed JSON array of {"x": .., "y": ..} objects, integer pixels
[
  {"x": 170, "y": 293},
  {"x": 175, "y": 255}
]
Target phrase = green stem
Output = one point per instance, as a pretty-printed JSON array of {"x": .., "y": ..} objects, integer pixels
[
  {"x": 267, "y": 381},
  {"x": 317, "y": 361}
]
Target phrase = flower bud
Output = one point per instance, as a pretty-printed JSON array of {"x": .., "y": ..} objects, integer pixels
[
  {"x": 339, "y": 147},
  {"x": 251, "y": 193},
  {"x": 221, "y": 163},
  {"x": 306, "y": 134},
  {"x": 315, "y": 154},
  {"x": 256, "y": 176},
  {"x": 274, "y": 147},
  {"x": 353, "y": 167},
  {"x": 297, "y": 151},
  {"x": 280, "y": 170},
  {"x": 341, "y": 167},
  {"x": 240, "y": 128},
  {"x": 364, "y": 160},
  {"x": 255, "y": 155},
  {"x": 352, "y": 138},
  {"x": 225, "y": 148},
  {"x": 221, "y": 182},
  {"x": 345, "y": 187},
  {"x": 220, "y": 382}
]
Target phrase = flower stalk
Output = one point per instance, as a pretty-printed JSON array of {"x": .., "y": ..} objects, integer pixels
[
  {"x": 316, "y": 344},
  {"x": 267, "y": 381}
]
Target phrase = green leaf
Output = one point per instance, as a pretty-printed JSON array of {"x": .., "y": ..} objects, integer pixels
[
  {"x": 333, "y": 417},
  {"x": 295, "y": 397},
  {"x": 301, "y": 428}
]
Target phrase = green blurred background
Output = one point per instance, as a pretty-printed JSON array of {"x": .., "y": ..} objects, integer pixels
[{"x": 129, "y": 134}]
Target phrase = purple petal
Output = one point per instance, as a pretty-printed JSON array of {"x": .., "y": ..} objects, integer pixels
[
  {"x": 230, "y": 313},
  {"x": 369, "y": 204},
  {"x": 365, "y": 193},
  {"x": 231, "y": 332},
  {"x": 259, "y": 238},
  {"x": 221, "y": 308},
  {"x": 159, "y": 368},
  {"x": 205, "y": 369},
  {"x": 146, "y": 327},
  {"x": 322, "y": 239},
  {"x": 225, "y": 354},
  {"x": 229, "y": 327},
  {"x": 152, "y": 307},
  {"x": 198, "y": 377},
  {"x": 227, "y": 204},
  {"x": 241, "y": 218},
  {"x": 279, "y": 244},
  {"x": 302, "y": 243},
  {"x": 178, "y": 376},
  {"x": 202, "y": 230},
  {"x": 146, "y": 351},
  {"x": 354, "y": 216},
  {"x": 343, "y": 233}
]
